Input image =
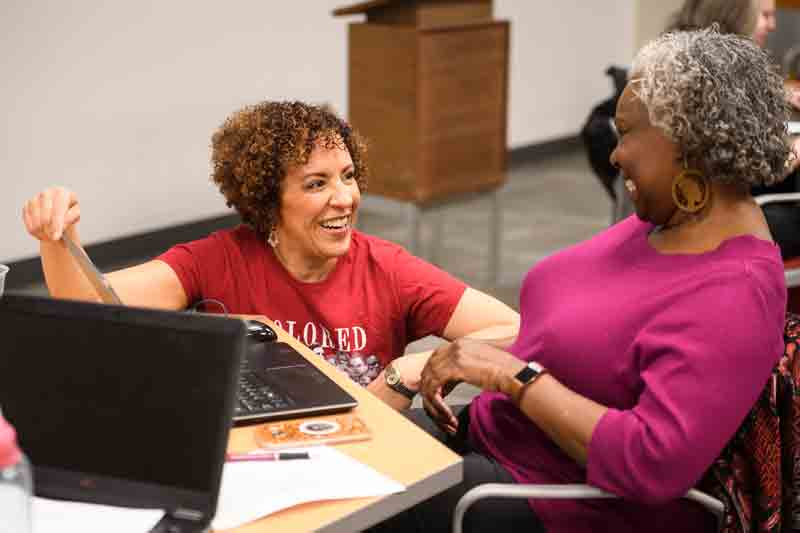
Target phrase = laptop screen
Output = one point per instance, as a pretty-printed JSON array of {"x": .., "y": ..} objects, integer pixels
[{"x": 128, "y": 396}]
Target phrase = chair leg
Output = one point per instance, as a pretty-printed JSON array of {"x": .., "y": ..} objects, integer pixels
[
  {"x": 436, "y": 223},
  {"x": 495, "y": 238},
  {"x": 414, "y": 214}
]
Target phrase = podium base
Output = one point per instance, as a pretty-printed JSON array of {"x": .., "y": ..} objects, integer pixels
[{"x": 433, "y": 214}]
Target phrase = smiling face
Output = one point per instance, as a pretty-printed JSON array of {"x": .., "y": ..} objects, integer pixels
[
  {"x": 318, "y": 208},
  {"x": 647, "y": 158}
]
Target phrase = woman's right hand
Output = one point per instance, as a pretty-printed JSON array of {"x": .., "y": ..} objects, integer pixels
[{"x": 50, "y": 213}]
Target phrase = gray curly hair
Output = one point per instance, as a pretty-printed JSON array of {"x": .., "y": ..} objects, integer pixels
[{"x": 720, "y": 99}]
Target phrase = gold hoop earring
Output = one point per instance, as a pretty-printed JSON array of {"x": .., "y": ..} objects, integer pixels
[
  {"x": 272, "y": 238},
  {"x": 690, "y": 191}
]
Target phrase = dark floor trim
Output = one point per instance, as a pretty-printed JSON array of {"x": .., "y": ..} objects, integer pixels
[
  {"x": 118, "y": 253},
  {"x": 536, "y": 152}
]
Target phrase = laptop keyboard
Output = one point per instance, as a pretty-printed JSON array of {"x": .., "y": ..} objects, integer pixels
[{"x": 256, "y": 396}]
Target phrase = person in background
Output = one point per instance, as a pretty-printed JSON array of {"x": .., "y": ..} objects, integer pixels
[
  {"x": 783, "y": 218},
  {"x": 755, "y": 19},
  {"x": 641, "y": 350},
  {"x": 748, "y": 18},
  {"x": 765, "y": 21},
  {"x": 294, "y": 172},
  {"x": 741, "y": 17}
]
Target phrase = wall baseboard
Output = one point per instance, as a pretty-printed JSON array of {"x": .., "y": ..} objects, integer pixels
[
  {"x": 119, "y": 253},
  {"x": 533, "y": 153}
]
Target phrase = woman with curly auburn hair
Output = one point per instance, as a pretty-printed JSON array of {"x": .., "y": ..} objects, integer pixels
[
  {"x": 641, "y": 350},
  {"x": 294, "y": 172},
  {"x": 253, "y": 147}
]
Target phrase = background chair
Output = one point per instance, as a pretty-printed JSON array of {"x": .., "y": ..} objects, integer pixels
[
  {"x": 791, "y": 266},
  {"x": 561, "y": 492},
  {"x": 756, "y": 477}
]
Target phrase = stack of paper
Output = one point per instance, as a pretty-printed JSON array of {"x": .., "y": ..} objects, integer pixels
[
  {"x": 253, "y": 489},
  {"x": 56, "y": 516}
]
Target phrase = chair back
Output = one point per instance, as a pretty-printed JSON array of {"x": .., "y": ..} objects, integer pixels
[{"x": 757, "y": 475}]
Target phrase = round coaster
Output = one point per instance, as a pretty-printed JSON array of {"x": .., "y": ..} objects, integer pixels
[{"x": 319, "y": 427}]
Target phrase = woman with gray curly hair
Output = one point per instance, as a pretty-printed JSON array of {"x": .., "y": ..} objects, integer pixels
[
  {"x": 641, "y": 350},
  {"x": 754, "y": 19}
]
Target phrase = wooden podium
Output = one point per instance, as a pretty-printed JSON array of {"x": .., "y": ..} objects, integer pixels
[
  {"x": 428, "y": 84},
  {"x": 427, "y": 88}
]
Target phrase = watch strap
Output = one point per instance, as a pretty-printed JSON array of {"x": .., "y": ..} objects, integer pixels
[
  {"x": 402, "y": 389},
  {"x": 398, "y": 386}
]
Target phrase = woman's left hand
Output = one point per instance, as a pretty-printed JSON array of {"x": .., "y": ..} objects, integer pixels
[{"x": 470, "y": 361}]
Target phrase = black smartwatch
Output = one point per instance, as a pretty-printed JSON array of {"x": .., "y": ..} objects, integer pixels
[
  {"x": 530, "y": 373},
  {"x": 394, "y": 382}
]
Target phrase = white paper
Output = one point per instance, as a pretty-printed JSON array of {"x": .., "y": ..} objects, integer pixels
[
  {"x": 253, "y": 489},
  {"x": 57, "y": 516},
  {"x": 794, "y": 127}
]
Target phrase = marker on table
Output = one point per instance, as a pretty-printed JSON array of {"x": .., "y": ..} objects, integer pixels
[{"x": 266, "y": 456}]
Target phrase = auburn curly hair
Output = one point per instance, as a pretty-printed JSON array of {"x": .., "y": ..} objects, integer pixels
[{"x": 256, "y": 146}]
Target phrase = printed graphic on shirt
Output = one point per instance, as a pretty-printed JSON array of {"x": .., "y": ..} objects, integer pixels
[{"x": 342, "y": 347}]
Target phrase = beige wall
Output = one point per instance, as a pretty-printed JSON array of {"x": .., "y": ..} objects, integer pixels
[
  {"x": 559, "y": 51},
  {"x": 651, "y": 18},
  {"x": 117, "y": 100}
]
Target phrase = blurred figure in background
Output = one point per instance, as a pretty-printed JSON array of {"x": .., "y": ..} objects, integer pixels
[
  {"x": 765, "y": 22},
  {"x": 741, "y": 17},
  {"x": 749, "y": 18},
  {"x": 754, "y": 19}
]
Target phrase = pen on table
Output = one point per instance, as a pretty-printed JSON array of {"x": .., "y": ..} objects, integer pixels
[{"x": 266, "y": 456}]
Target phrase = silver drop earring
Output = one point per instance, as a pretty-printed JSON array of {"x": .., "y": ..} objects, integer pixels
[{"x": 272, "y": 239}]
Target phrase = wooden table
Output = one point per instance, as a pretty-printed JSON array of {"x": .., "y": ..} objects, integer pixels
[{"x": 398, "y": 449}]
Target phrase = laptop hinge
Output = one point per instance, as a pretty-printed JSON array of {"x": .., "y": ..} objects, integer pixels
[{"x": 188, "y": 514}]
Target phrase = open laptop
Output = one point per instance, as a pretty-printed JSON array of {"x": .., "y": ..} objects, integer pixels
[
  {"x": 276, "y": 381},
  {"x": 121, "y": 406}
]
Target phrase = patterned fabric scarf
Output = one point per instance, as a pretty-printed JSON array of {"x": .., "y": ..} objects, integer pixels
[{"x": 757, "y": 475}]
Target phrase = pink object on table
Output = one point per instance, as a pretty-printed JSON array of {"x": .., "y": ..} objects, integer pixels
[{"x": 9, "y": 450}]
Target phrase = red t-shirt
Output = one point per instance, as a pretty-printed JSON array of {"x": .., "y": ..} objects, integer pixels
[{"x": 377, "y": 299}]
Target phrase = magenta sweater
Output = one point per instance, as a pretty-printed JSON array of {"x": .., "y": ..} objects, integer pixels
[{"x": 677, "y": 347}]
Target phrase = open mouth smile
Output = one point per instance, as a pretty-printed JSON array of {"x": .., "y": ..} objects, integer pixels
[{"x": 336, "y": 224}]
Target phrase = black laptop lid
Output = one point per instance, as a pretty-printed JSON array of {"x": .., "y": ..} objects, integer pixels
[{"x": 119, "y": 405}]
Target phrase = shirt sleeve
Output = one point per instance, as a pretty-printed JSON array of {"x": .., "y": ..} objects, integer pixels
[
  {"x": 701, "y": 374},
  {"x": 191, "y": 262},
  {"x": 427, "y": 295}
]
